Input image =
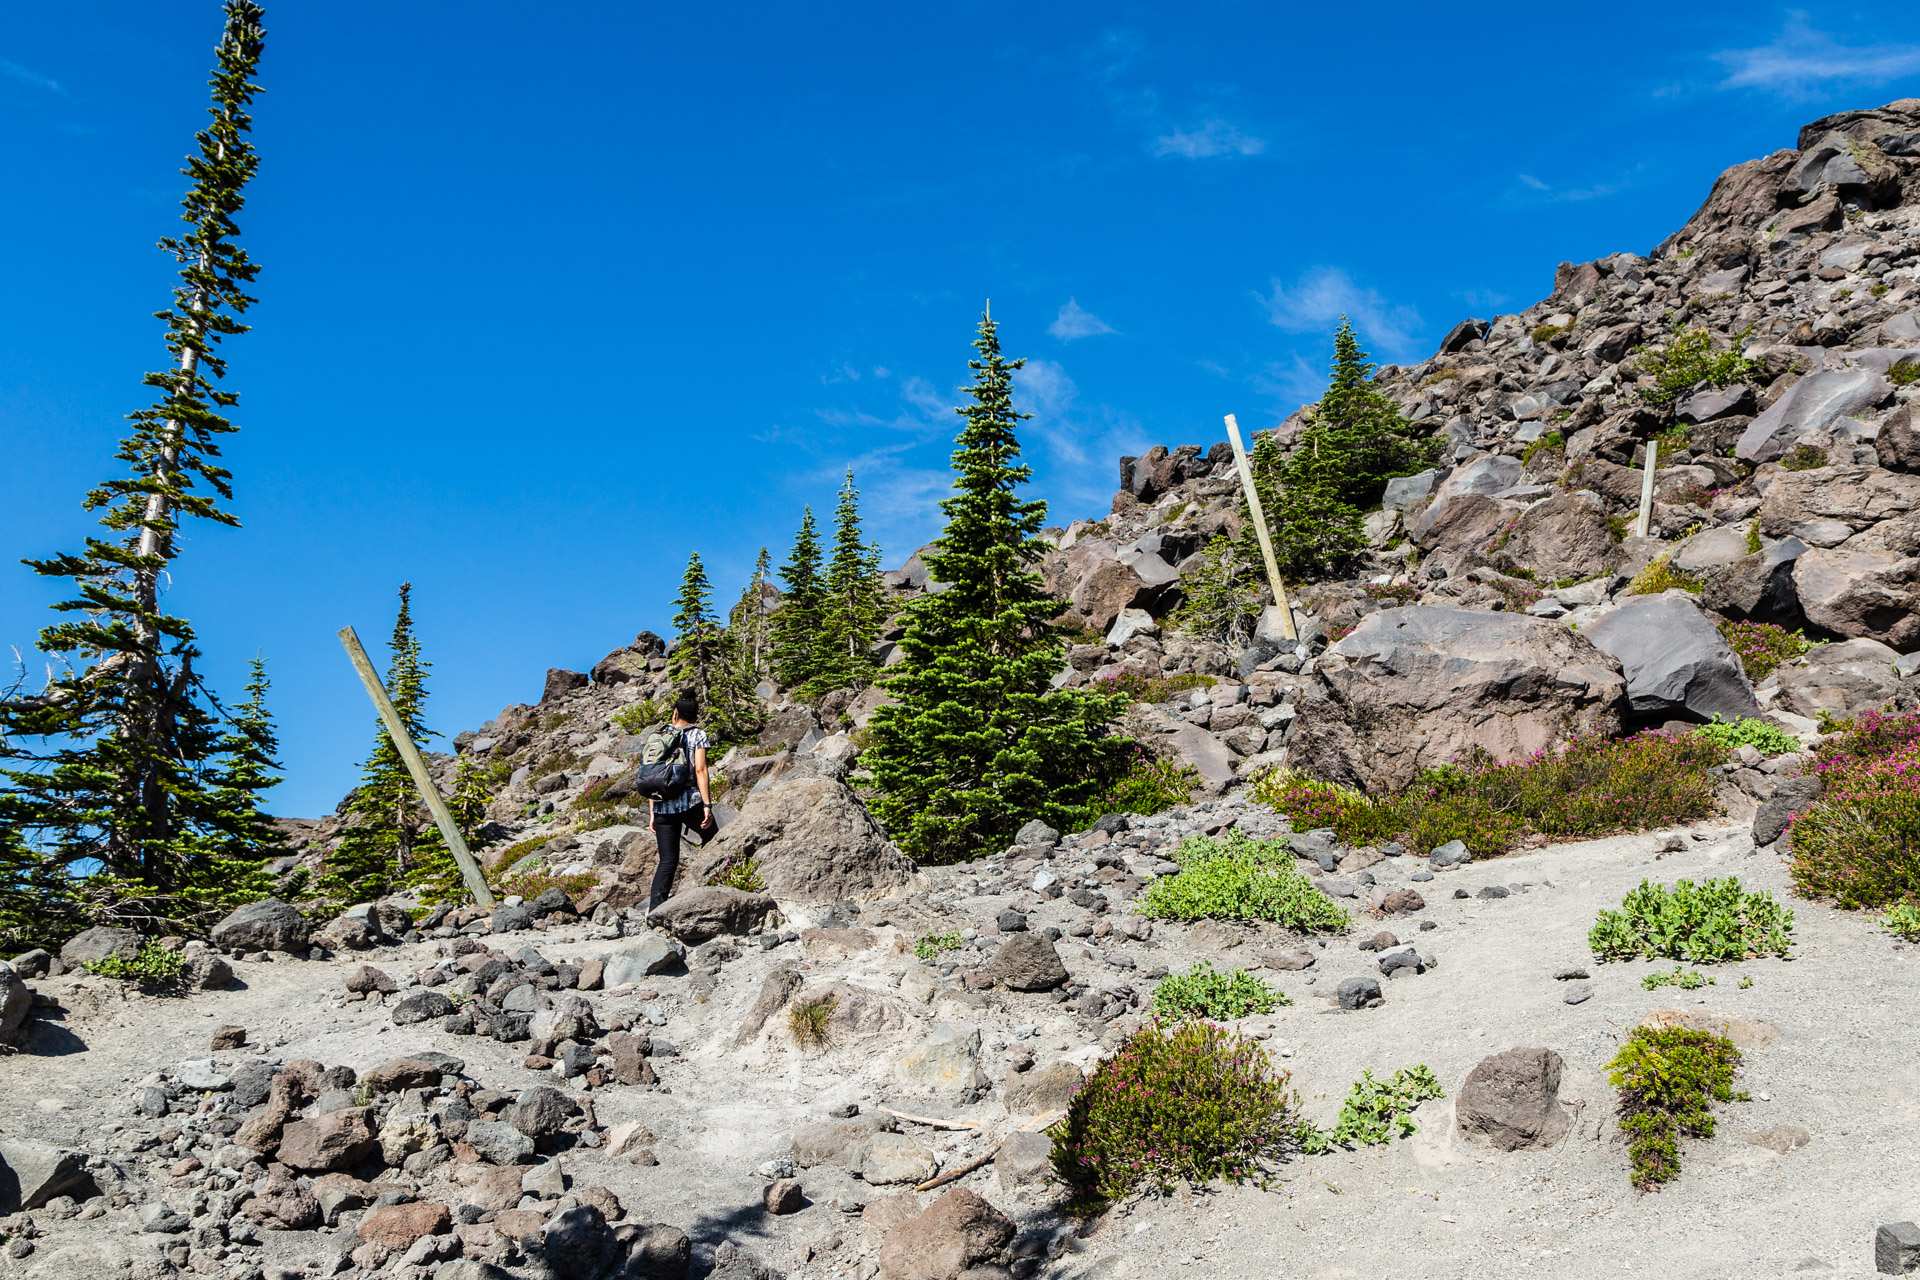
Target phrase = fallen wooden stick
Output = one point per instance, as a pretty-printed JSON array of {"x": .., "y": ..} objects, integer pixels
[
  {"x": 929, "y": 1122},
  {"x": 952, "y": 1175}
]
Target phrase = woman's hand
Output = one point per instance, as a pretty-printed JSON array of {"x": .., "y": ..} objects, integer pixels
[{"x": 706, "y": 822}]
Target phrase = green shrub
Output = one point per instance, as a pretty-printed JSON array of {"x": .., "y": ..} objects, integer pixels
[
  {"x": 1149, "y": 785},
  {"x": 1717, "y": 920},
  {"x": 1204, "y": 992},
  {"x": 1376, "y": 1111},
  {"x": 739, "y": 873},
  {"x": 1660, "y": 575},
  {"x": 1551, "y": 440},
  {"x": 1762, "y": 735},
  {"x": 531, "y": 884},
  {"x": 1686, "y": 980},
  {"x": 932, "y": 944},
  {"x": 1902, "y": 921},
  {"x": 1667, "y": 1081},
  {"x": 1688, "y": 359},
  {"x": 1804, "y": 457},
  {"x": 1859, "y": 843},
  {"x": 1548, "y": 332},
  {"x": 1762, "y": 646},
  {"x": 638, "y": 717},
  {"x": 154, "y": 966},
  {"x": 1195, "y": 1101},
  {"x": 1595, "y": 786},
  {"x": 1152, "y": 688},
  {"x": 1236, "y": 878},
  {"x": 1904, "y": 373}
]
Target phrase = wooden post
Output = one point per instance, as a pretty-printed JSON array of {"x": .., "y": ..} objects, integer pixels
[
  {"x": 422, "y": 780},
  {"x": 1260, "y": 529},
  {"x": 1644, "y": 523}
]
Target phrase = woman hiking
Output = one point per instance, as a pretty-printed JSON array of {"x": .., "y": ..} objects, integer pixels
[{"x": 690, "y": 807}]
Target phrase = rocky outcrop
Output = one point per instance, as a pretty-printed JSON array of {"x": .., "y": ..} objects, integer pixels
[
  {"x": 1674, "y": 659},
  {"x": 1412, "y": 688},
  {"x": 267, "y": 925},
  {"x": 697, "y": 915},
  {"x": 812, "y": 841}
]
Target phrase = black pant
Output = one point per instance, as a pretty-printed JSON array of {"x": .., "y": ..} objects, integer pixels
[{"x": 666, "y": 833}]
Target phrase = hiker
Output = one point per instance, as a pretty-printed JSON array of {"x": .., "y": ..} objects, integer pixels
[{"x": 691, "y": 806}]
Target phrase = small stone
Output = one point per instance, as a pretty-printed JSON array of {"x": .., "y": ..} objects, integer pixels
[
  {"x": 1011, "y": 921},
  {"x": 1451, "y": 854},
  {"x": 1359, "y": 993},
  {"x": 1461, "y": 893},
  {"x": 1379, "y": 942},
  {"x": 783, "y": 1195},
  {"x": 1578, "y": 993},
  {"x": 1896, "y": 1249},
  {"x": 1570, "y": 974},
  {"x": 229, "y": 1037},
  {"x": 1422, "y": 876},
  {"x": 1494, "y": 891},
  {"x": 1780, "y": 1139}
]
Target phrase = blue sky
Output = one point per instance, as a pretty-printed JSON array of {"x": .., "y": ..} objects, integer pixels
[{"x": 551, "y": 297}]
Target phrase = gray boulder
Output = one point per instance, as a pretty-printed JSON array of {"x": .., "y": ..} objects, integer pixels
[
  {"x": 813, "y": 841},
  {"x": 1563, "y": 537},
  {"x": 32, "y": 1173},
  {"x": 1898, "y": 445},
  {"x": 1410, "y": 689},
  {"x": 709, "y": 912},
  {"x": 540, "y": 1112},
  {"x": 1758, "y": 587},
  {"x": 421, "y": 1006},
  {"x": 1358, "y": 993},
  {"x": 1512, "y": 1100},
  {"x": 499, "y": 1142},
  {"x": 16, "y": 1002},
  {"x": 1793, "y": 796},
  {"x": 1027, "y": 962},
  {"x": 1809, "y": 407},
  {"x": 1674, "y": 659},
  {"x": 642, "y": 958},
  {"x": 1869, "y": 593},
  {"x": 267, "y": 925},
  {"x": 1841, "y": 679},
  {"x": 98, "y": 943}
]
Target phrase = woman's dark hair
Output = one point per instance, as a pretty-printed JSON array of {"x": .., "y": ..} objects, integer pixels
[{"x": 687, "y": 706}]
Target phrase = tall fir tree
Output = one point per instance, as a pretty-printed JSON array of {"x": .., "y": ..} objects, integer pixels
[
  {"x": 1355, "y": 439},
  {"x": 852, "y": 605},
  {"x": 977, "y": 741},
  {"x": 703, "y": 659},
  {"x": 120, "y": 762},
  {"x": 391, "y": 831},
  {"x": 796, "y": 628},
  {"x": 751, "y": 624}
]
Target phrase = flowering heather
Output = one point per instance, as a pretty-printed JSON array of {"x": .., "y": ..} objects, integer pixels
[
  {"x": 1398, "y": 592},
  {"x": 1151, "y": 688},
  {"x": 1595, "y": 786},
  {"x": 1197, "y": 1101},
  {"x": 1762, "y": 646},
  {"x": 1859, "y": 844}
]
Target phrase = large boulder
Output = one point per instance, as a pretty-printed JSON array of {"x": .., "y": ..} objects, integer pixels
[
  {"x": 813, "y": 842},
  {"x": 709, "y": 912},
  {"x": 1825, "y": 506},
  {"x": 1808, "y": 409},
  {"x": 266, "y": 925},
  {"x": 1861, "y": 593},
  {"x": 1027, "y": 962},
  {"x": 1898, "y": 445},
  {"x": 1512, "y": 1100},
  {"x": 16, "y": 1002},
  {"x": 32, "y": 1173},
  {"x": 947, "y": 1059},
  {"x": 1841, "y": 679},
  {"x": 99, "y": 942},
  {"x": 331, "y": 1142},
  {"x": 1465, "y": 523},
  {"x": 1410, "y": 689},
  {"x": 958, "y": 1232},
  {"x": 1563, "y": 537},
  {"x": 1674, "y": 659},
  {"x": 1488, "y": 474},
  {"x": 1759, "y": 586}
]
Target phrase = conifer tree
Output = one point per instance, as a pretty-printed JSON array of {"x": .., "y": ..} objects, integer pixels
[
  {"x": 703, "y": 659},
  {"x": 751, "y": 624},
  {"x": 1355, "y": 438},
  {"x": 852, "y": 606},
  {"x": 122, "y": 761},
  {"x": 246, "y": 769},
  {"x": 391, "y": 829},
  {"x": 977, "y": 741},
  {"x": 797, "y": 625}
]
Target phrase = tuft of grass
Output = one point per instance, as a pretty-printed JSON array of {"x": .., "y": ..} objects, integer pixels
[
  {"x": 1551, "y": 440},
  {"x": 1547, "y": 333},
  {"x": 809, "y": 1022},
  {"x": 1709, "y": 923},
  {"x": 1375, "y": 1112},
  {"x": 1595, "y": 786},
  {"x": 1668, "y": 1080},
  {"x": 1195, "y": 1102},
  {"x": 1234, "y": 877},
  {"x": 1204, "y": 992},
  {"x": 739, "y": 873},
  {"x": 155, "y": 966},
  {"x": 1686, "y": 980},
  {"x": 531, "y": 884},
  {"x": 1660, "y": 575},
  {"x": 932, "y": 944},
  {"x": 1762, "y": 735},
  {"x": 1804, "y": 457}
]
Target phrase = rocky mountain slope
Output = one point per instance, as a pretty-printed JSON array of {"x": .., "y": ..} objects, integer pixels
[{"x": 571, "y": 1086}]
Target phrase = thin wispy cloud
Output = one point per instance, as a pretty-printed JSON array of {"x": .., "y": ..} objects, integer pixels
[
  {"x": 1214, "y": 138},
  {"x": 1548, "y": 193},
  {"x": 1075, "y": 321},
  {"x": 1533, "y": 182},
  {"x": 28, "y": 76},
  {"x": 1802, "y": 58},
  {"x": 1315, "y": 303}
]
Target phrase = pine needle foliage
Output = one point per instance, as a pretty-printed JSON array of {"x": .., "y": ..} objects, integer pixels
[
  {"x": 796, "y": 628},
  {"x": 852, "y": 605},
  {"x": 703, "y": 659},
  {"x": 977, "y": 741},
  {"x": 751, "y": 624},
  {"x": 124, "y": 771}
]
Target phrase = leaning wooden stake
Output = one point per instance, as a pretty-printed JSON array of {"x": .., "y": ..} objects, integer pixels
[
  {"x": 1260, "y": 529},
  {"x": 1644, "y": 523},
  {"x": 422, "y": 780}
]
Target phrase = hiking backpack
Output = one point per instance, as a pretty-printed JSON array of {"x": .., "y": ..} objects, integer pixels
[{"x": 665, "y": 768}]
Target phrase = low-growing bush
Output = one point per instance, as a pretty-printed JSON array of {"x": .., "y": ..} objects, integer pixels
[
  {"x": 153, "y": 966},
  {"x": 1859, "y": 843},
  {"x": 1595, "y": 786},
  {"x": 1804, "y": 457},
  {"x": 1668, "y": 1080},
  {"x": 739, "y": 873},
  {"x": 932, "y": 944},
  {"x": 1152, "y": 688},
  {"x": 1708, "y": 923},
  {"x": 1149, "y": 785},
  {"x": 1551, "y": 440},
  {"x": 1376, "y": 1111},
  {"x": 809, "y": 1022},
  {"x": 638, "y": 717},
  {"x": 1398, "y": 592},
  {"x": 1904, "y": 373},
  {"x": 1762, "y": 646},
  {"x": 1902, "y": 921},
  {"x": 1234, "y": 877},
  {"x": 1205, "y": 992},
  {"x": 1685, "y": 979},
  {"x": 1195, "y": 1101},
  {"x": 1660, "y": 575},
  {"x": 1687, "y": 359},
  {"x": 531, "y": 884},
  {"x": 1762, "y": 735}
]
